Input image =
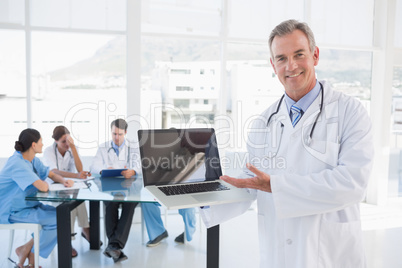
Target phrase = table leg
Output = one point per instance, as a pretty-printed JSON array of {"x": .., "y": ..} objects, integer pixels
[
  {"x": 63, "y": 212},
  {"x": 213, "y": 247},
  {"x": 94, "y": 216}
]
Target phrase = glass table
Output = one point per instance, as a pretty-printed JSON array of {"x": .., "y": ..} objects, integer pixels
[{"x": 115, "y": 189}]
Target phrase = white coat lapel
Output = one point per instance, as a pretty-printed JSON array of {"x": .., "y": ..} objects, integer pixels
[
  {"x": 324, "y": 144},
  {"x": 123, "y": 154}
]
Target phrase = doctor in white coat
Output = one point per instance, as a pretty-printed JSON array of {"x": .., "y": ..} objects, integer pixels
[
  {"x": 310, "y": 158},
  {"x": 117, "y": 154},
  {"x": 62, "y": 158}
]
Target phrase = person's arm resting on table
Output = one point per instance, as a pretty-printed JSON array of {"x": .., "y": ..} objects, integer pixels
[{"x": 57, "y": 178}]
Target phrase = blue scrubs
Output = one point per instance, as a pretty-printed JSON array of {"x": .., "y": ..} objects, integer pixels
[
  {"x": 153, "y": 220},
  {"x": 16, "y": 179}
]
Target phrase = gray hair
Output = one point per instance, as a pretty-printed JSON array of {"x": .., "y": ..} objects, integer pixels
[{"x": 287, "y": 27}]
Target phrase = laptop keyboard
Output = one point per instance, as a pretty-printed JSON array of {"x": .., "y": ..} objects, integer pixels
[{"x": 192, "y": 188}]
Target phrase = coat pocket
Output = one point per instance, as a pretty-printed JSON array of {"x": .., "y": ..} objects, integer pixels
[{"x": 341, "y": 245}]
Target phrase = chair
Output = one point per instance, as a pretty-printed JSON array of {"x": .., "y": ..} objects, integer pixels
[{"x": 24, "y": 226}]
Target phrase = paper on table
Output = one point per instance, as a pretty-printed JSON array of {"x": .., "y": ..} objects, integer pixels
[
  {"x": 61, "y": 187},
  {"x": 79, "y": 180}
]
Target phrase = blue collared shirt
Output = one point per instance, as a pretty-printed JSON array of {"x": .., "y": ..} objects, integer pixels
[
  {"x": 118, "y": 148},
  {"x": 304, "y": 102}
]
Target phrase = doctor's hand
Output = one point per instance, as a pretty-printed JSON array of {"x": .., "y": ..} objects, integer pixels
[
  {"x": 262, "y": 181},
  {"x": 128, "y": 173},
  {"x": 70, "y": 140},
  {"x": 83, "y": 174},
  {"x": 68, "y": 183}
]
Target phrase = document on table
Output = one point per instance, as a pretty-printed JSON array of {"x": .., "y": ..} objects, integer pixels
[
  {"x": 61, "y": 187},
  {"x": 79, "y": 180}
]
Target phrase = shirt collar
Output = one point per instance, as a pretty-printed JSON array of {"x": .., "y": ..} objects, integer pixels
[
  {"x": 18, "y": 153},
  {"x": 114, "y": 145},
  {"x": 306, "y": 100}
]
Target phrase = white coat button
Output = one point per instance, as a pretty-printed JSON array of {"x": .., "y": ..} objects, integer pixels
[
  {"x": 291, "y": 170},
  {"x": 289, "y": 241},
  {"x": 294, "y": 136}
]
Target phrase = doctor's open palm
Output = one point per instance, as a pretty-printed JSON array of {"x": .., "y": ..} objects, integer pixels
[{"x": 262, "y": 181}]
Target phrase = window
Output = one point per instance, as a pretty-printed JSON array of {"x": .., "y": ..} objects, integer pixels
[
  {"x": 184, "y": 88},
  {"x": 12, "y": 12},
  {"x": 353, "y": 29},
  {"x": 398, "y": 24},
  {"x": 181, "y": 17},
  {"x": 13, "y": 103},
  {"x": 77, "y": 79},
  {"x": 346, "y": 71},
  {"x": 180, "y": 71},
  {"x": 104, "y": 15},
  {"x": 182, "y": 103},
  {"x": 255, "y": 18},
  {"x": 159, "y": 55},
  {"x": 80, "y": 78}
]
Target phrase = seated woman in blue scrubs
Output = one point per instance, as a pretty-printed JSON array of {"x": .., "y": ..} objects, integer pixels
[{"x": 22, "y": 175}]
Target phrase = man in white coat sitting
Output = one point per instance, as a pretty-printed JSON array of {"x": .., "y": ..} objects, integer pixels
[
  {"x": 308, "y": 198},
  {"x": 117, "y": 154}
]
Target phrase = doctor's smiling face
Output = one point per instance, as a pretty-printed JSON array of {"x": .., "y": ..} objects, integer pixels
[
  {"x": 294, "y": 62},
  {"x": 118, "y": 135}
]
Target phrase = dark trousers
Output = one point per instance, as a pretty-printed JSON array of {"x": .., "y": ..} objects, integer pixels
[{"x": 118, "y": 229}]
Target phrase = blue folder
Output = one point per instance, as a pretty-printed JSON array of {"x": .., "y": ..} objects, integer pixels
[{"x": 112, "y": 172}]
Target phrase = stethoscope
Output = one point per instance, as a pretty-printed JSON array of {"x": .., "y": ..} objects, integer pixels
[
  {"x": 282, "y": 126},
  {"x": 114, "y": 149},
  {"x": 57, "y": 158}
]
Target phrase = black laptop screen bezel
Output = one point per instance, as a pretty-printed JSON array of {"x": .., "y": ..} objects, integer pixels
[{"x": 213, "y": 168}]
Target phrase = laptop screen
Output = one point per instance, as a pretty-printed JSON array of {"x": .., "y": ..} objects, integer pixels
[{"x": 173, "y": 156}]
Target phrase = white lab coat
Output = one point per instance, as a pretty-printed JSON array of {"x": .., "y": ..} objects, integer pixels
[
  {"x": 312, "y": 216},
  {"x": 106, "y": 157},
  {"x": 54, "y": 160}
]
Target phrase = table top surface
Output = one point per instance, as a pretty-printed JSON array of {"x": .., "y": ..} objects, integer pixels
[{"x": 101, "y": 189}]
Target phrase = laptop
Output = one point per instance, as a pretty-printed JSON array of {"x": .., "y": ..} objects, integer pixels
[{"x": 181, "y": 168}]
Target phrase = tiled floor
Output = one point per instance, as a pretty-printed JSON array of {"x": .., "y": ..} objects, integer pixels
[{"x": 239, "y": 245}]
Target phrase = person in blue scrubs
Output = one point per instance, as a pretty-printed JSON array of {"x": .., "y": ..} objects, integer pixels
[
  {"x": 156, "y": 230},
  {"x": 24, "y": 174}
]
